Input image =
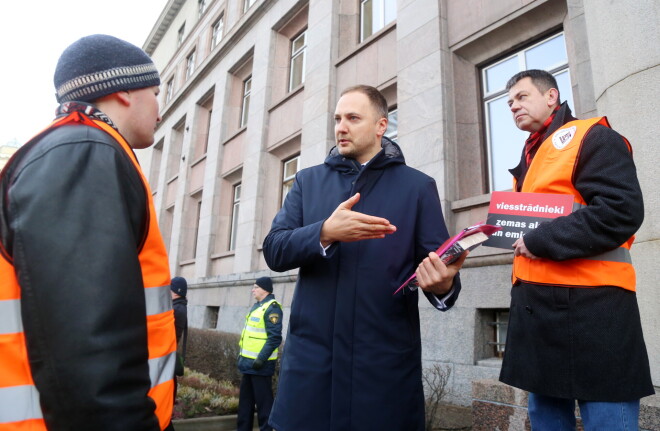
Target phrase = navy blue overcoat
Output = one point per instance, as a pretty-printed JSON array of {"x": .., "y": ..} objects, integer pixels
[{"x": 352, "y": 356}]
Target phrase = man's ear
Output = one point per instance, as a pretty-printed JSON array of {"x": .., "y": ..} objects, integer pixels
[
  {"x": 124, "y": 97},
  {"x": 552, "y": 96},
  {"x": 381, "y": 126}
]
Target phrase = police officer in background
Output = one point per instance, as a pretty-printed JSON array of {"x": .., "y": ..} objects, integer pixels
[{"x": 260, "y": 339}]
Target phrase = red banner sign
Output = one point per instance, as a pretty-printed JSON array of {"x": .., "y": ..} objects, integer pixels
[{"x": 519, "y": 213}]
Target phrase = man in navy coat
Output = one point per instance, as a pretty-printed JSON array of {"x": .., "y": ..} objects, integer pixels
[{"x": 357, "y": 226}]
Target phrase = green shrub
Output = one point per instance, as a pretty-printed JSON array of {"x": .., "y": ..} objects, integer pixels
[
  {"x": 214, "y": 353},
  {"x": 199, "y": 395}
]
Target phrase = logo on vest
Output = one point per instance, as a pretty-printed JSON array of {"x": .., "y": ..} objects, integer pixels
[{"x": 563, "y": 137}]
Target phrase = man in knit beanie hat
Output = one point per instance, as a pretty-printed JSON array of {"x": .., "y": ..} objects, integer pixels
[{"x": 86, "y": 322}]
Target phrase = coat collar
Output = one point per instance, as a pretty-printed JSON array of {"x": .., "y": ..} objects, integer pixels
[
  {"x": 390, "y": 154},
  {"x": 266, "y": 299}
]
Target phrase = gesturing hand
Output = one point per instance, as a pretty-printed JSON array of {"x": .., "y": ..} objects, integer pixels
[{"x": 346, "y": 225}]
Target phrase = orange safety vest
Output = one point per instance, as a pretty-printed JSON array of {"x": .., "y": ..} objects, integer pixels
[
  {"x": 551, "y": 171},
  {"x": 19, "y": 398}
]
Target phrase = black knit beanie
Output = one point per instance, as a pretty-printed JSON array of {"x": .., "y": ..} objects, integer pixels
[
  {"x": 98, "y": 65},
  {"x": 179, "y": 285},
  {"x": 265, "y": 283}
]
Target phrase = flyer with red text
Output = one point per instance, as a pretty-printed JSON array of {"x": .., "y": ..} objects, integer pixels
[{"x": 518, "y": 213}]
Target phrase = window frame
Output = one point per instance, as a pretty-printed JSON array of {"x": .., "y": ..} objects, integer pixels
[
  {"x": 295, "y": 54},
  {"x": 180, "y": 35},
  {"x": 169, "y": 90},
  {"x": 287, "y": 180},
  {"x": 490, "y": 96},
  {"x": 236, "y": 206},
  {"x": 208, "y": 130},
  {"x": 202, "y": 7},
  {"x": 248, "y": 4},
  {"x": 190, "y": 64},
  {"x": 245, "y": 102},
  {"x": 198, "y": 219},
  {"x": 500, "y": 326},
  {"x": 382, "y": 23},
  {"x": 217, "y": 30}
]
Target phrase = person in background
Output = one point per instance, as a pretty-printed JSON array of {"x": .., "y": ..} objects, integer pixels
[
  {"x": 574, "y": 326},
  {"x": 261, "y": 336},
  {"x": 87, "y": 338},
  {"x": 179, "y": 289}
]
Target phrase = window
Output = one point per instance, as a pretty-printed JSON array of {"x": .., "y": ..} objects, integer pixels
[
  {"x": 392, "y": 131},
  {"x": 169, "y": 90},
  {"x": 201, "y": 7},
  {"x": 179, "y": 36},
  {"x": 490, "y": 335},
  {"x": 234, "y": 216},
  {"x": 218, "y": 28},
  {"x": 190, "y": 65},
  {"x": 198, "y": 216},
  {"x": 211, "y": 317},
  {"x": 289, "y": 175},
  {"x": 504, "y": 139},
  {"x": 174, "y": 154},
  {"x": 166, "y": 226},
  {"x": 298, "y": 52},
  {"x": 374, "y": 15},
  {"x": 245, "y": 107},
  {"x": 248, "y": 4},
  {"x": 500, "y": 326},
  {"x": 205, "y": 146},
  {"x": 156, "y": 159}
]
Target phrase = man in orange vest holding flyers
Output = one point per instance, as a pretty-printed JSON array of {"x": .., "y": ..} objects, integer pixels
[
  {"x": 574, "y": 325},
  {"x": 87, "y": 338}
]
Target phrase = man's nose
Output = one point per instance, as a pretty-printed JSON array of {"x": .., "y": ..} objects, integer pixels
[{"x": 340, "y": 126}]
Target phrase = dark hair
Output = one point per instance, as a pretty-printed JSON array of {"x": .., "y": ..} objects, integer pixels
[
  {"x": 375, "y": 97},
  {"x": 541, "y": 79}
]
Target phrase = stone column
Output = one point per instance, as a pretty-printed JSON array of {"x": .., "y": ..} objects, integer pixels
[
  {"x": 424, "y": 86},
  {"x": 319, "y": 104},
  {"x": 624, "y": 42},
  {"x": 250, "y": 214}
]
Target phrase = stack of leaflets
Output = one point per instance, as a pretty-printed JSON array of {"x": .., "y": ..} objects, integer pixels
[{"x": 468, "y": 239}]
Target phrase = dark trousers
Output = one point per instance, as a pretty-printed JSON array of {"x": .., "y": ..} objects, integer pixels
[{"x": 255, "y": 390}]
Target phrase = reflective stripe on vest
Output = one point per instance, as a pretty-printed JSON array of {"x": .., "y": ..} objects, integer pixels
[
  {"x": 19, "y": 399},
  {"x": 19, "y": 406},
  {"x": 551, "y": 171},
  {"x": 254, "y": 336},
  {"x": 20, "y": 403}
]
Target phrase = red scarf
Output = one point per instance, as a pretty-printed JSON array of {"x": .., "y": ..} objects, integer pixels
[{"x": 535, "y": 139}]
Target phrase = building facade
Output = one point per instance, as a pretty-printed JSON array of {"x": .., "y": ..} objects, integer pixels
[
  {"x": 6, "y": 151},
  {"x": 248, "y": 94}
]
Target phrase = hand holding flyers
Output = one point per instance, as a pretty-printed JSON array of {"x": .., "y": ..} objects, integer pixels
[{"x": 467, "y": 239}]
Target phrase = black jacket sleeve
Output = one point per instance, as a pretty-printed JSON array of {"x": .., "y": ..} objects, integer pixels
[
  {"x": 180, "y": 318},
  {"x": 606, "y": 178},
  {"x": 77, "y": 212}
]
